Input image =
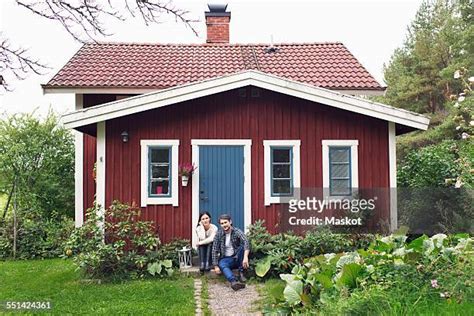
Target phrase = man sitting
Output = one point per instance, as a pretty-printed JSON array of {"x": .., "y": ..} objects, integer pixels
[{"x": 230, "y": 251}]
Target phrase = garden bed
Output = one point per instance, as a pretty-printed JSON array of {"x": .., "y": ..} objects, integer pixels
[{"x": 392, "y": 277}]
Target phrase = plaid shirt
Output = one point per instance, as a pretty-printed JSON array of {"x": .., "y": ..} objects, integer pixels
[{"x": 237, "y": 238}]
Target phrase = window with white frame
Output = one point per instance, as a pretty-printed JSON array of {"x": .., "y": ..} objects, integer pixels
[
  {"x": 340, "y": 167},
  {"x": 159, "y": 172},
  {"x": 282, "y": 170}
]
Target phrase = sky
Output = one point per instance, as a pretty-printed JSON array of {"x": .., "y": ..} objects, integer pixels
[{"x": 370, "y": 29}]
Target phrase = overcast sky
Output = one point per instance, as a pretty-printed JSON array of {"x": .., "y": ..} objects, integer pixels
[{"x": 370, "y": 29}]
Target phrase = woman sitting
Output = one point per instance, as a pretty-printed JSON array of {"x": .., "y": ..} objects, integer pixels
[{"x": 205, "y": 232}]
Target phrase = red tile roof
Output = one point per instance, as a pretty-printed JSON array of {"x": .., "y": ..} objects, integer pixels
[{"x": 328, "y": 65}]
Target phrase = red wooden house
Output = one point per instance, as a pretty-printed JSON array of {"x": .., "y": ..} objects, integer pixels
[{"x": 260, "y": 121}]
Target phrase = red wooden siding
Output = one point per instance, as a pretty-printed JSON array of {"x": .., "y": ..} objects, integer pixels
[
  {"x": 229, "y": 116},
  {"x": 90, "y": 150}
]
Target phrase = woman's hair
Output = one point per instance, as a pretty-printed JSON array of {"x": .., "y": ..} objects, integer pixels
[{"x": 201, "y": 215}]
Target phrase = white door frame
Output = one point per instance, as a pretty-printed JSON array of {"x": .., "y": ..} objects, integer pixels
[{"x": 247, "y": 143}]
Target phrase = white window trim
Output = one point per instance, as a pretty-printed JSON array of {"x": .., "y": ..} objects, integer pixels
[
  {"x": 295, "y": 144},
  {"x": 247, "y": 143},
  {"x": 173, "y": 199},
  {"x": 353, "y": 144}
]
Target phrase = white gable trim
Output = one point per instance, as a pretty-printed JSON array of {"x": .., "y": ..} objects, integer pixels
[{"x": 191, "y": 91}]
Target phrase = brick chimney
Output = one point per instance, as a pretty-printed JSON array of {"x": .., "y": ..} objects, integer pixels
[{"x": 217, "y": 22}]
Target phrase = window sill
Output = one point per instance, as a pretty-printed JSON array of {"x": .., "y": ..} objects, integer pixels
[
  {"x": 160, "y": 201},
  {"x": 281, "y": 199}
]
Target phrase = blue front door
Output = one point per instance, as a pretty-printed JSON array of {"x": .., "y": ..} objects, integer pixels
[{"x": 221, "y": 182}]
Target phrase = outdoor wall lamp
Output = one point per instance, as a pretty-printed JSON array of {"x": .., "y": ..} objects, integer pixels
[{"x": 124, "y": 136}]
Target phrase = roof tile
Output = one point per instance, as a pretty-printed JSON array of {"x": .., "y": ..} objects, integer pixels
[{"x": 328, "y": 65}]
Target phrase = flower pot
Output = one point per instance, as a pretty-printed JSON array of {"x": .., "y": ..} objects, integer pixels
[{"x": 184, "y": 181}]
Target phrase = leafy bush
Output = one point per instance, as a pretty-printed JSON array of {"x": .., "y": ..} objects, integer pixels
[
  {"x": 169, "y": 251},
  {"x": 439, "y": 179},
  {"x": 37, "y": 165},
  {"x": 374, "y": 281},
  {"x": 275, "y": 254},
  {"x": 128, "y": 248},
  {"x": 429, "y": 166},
  {"x": 37, "y": 237}
]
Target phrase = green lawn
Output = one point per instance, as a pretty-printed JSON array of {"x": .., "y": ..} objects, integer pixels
[{"x": 56, "y": 280}]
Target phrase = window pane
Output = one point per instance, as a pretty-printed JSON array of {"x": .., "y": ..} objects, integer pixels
[
  {"x": 340, "y": 187},
  {"x": 339, "y": 171},
  {"x": 160, "y": 171},
  {"x": 281, "y": 155},
  {"x": 281, "y": 187},
  {"x": 339, "y": 155},
  {"x": 281, "y": 171},
  {"x": 160, "y": 187},
  {"x": 160, "y": 155}
]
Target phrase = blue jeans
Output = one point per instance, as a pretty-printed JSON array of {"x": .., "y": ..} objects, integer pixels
[
  {"x": 204, "y": 252},
  {"x": 226, "y": 264}
]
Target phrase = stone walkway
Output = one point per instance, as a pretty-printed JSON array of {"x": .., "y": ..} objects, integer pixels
[
  {"x": 197, "y": 296},
  {"x": 225, "y": 301}
]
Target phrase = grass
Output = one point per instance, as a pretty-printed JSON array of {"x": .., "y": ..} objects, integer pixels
[
  {"x": 205, "y": 297},
  {"x": 57, "y": 281}
]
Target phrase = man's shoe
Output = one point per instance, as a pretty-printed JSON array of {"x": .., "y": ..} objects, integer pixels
[
  {"x": 242, "y": 277},
  {"x": 236, "y": 285}
]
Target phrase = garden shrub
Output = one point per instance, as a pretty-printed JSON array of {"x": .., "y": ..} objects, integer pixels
[
  {"x": 128, "y": 248},
  {"x": 37, "y": 237},
  {"x": 392, "y": 276},
  {"x": 435, "y": 188},
  {"x": 169, "y": 251},
  {"x": 432, "y": 165},
  {"x": 282, "y": 252}
]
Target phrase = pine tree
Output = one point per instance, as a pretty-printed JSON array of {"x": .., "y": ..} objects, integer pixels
[{"x": 420, "y": 73}]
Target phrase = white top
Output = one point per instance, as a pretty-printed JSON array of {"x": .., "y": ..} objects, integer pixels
[
  {"x": 205, "y": 237},
  {"x": 229, "y": 250}
]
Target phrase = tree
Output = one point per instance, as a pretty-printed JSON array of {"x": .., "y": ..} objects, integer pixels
[
  {"x": 16, "y": 63},
  {"x": 439, "y": 41},
  {"x": 85, "y": 21},
  {"x": 37, "y": 165}
]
